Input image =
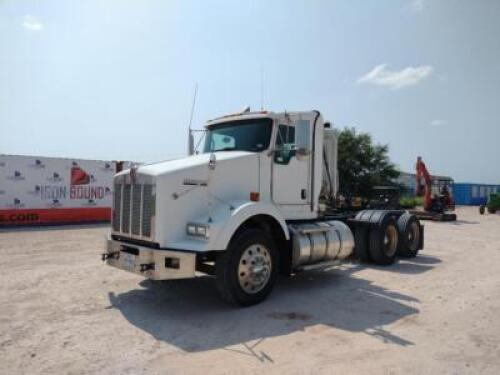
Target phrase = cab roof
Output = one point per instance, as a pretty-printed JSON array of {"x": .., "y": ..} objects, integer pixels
[{"x": 246, "y": 115}]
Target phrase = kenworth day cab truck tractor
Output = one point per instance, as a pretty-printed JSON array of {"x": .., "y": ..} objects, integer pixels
[{"x": 258, "y": 201}]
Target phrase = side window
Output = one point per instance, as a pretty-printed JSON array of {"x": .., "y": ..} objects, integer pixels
[{"x": 285, "y": 144}]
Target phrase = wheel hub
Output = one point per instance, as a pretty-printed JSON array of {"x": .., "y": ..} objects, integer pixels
[
  {"x": 390, "y": 240},
  {"x": 254, "y": 269}
]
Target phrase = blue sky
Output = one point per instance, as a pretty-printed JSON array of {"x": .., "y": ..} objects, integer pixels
[{"x": 114, "y": 79}]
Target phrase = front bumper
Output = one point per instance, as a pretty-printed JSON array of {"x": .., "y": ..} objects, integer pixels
[{"x": 155, "y": 264}]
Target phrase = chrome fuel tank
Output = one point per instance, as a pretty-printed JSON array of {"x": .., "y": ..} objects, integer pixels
[{"x": 318, "y": 242}]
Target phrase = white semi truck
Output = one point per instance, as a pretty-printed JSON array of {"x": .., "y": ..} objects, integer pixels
[{"x": 258, "y": 201}]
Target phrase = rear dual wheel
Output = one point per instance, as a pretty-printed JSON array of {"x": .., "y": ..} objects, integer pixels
[
  {"x": 409, "y": 235},
  {"x": 383, "y": 237},
  {"x": 383, "y": 241},
  {"x": 376, "y": 239}
]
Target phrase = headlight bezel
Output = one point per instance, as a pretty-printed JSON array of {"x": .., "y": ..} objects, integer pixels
[{"x": 198, "y": 230}]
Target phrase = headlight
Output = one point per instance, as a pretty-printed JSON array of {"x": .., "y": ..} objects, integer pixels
[
  {"x": 197, "y": 230},
  {"x": 191, "y": 229},
  {"x": 201, "y": 231}
]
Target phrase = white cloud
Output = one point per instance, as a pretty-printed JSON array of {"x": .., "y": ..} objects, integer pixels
[
  {"x": 437, "y": 123},
  {"x": 394, "y": 79},
  {"x": 417, "y": 5},
  {"x": 31, "y": 23}
]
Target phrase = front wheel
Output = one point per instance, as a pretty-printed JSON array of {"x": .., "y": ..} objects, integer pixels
[
  {"x": 247, "y": 271},
  {"x": 481, "y": 209}
]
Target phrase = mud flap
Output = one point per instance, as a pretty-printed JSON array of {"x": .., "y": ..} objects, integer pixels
[{"x": 421, "y": 240}]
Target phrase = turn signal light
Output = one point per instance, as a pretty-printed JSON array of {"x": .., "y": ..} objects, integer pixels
[{"x": 254, "y": 196}]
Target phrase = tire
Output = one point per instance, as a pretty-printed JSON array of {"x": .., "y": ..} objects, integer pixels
[
  {"x": 481, "y": 209},
  {"x": 491, "y": 210},
  {"x": 409, "y": 235},
  {"x": 237, "y": 282},
  {"x": 361, "y": 244},
  {"x": 384, "y": 241}
]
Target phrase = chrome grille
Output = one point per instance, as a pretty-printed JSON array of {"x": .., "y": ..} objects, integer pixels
[
  {"x": 117, "y": 201},
  {"x": 148, "y": 210},
  {"x": 136, "y": 209},
  {"x": 133, "y": 210},
  {"x": 126, "y": 209}
]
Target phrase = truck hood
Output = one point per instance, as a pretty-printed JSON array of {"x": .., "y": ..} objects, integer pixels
[
  {"x": 189, "y": 162},
  {"x": 186, "y": 190}
]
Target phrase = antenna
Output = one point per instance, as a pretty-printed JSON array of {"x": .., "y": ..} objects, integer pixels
[
  {"x": 261, "y": 88},
  {"x": 190, "y": 133}
]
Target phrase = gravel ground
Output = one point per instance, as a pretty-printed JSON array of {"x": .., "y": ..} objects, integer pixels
[{"x": 63, "y": 311}]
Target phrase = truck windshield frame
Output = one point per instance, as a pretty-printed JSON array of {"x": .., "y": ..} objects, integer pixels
[{"x": 253, "y": 135}]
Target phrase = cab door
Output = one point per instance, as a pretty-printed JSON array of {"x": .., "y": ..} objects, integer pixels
[{"x": 290, "y": 176}]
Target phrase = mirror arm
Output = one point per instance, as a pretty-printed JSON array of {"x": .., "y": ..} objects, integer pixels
[{"x": 303, "y": 152}]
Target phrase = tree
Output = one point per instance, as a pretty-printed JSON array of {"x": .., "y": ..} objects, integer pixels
[{"x": 362, "y": 164}]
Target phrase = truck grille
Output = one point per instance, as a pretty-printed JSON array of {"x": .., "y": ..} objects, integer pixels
[
  {"x": 148, "y": 210},
  {"x": 117, "y": 199},
  {"x": 133, "y": 210}
]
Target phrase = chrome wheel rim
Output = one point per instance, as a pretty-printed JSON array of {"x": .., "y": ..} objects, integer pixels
[
  {"x": 254, "y": 269},
  {"x": 390, "y": 240}
]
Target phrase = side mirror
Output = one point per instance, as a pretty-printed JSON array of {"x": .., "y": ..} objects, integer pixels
[{"x": 302, "y": 139}]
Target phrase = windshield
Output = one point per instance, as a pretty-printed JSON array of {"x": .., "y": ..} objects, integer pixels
[{"x": 242, "y": 135}]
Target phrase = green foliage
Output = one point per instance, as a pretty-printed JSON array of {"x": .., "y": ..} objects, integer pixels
[
  {"x": 411, "y": 202},
  {"x": 362, "y": 164}
]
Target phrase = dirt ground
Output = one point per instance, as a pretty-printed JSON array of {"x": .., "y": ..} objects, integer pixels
[{"x": 63, "y": 311}]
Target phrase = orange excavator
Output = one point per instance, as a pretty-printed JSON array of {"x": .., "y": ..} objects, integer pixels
[{"x": 438, "y": 205}]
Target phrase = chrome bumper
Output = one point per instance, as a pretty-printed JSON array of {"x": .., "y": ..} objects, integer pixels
[{"x": 155, "y": 264}]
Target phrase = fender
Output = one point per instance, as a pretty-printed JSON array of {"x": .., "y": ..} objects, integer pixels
[{"x": 242, "y": 212}]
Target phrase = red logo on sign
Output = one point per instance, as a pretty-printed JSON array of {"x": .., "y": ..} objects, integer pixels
[{"x": 79, "y": 176}]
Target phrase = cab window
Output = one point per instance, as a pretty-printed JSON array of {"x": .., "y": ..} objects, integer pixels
[
  {"x": 242, "y": 135},
  {"x": 285, "y": 144}
]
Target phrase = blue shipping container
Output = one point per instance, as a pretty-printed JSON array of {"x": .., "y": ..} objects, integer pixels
[{"x": 473, "y": 194}]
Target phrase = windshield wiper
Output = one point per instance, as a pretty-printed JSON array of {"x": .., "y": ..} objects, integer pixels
[{"x": 225, "y": 149}]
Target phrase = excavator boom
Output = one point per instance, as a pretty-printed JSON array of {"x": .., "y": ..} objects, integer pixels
[{"x": 439, "y": 203}]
